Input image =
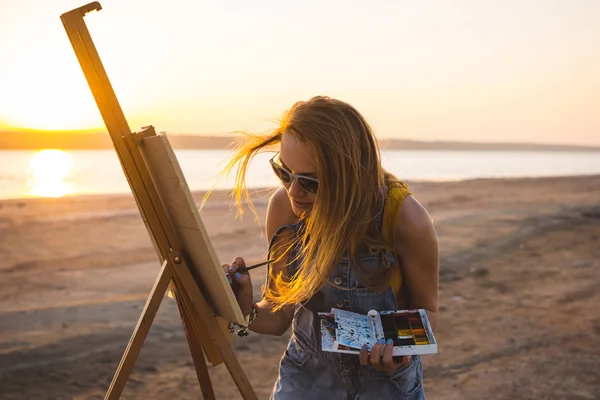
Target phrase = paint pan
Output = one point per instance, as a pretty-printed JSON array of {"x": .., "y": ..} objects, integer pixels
[
  {"x": 402, "y": 326},
  {"x": 418, "y": 330},
  {"x": 413, "y": 331},
  {"x": 389, "y": 328}
]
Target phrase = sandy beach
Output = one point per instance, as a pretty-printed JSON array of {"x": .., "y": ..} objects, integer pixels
[{"x": 520, "y": 271}]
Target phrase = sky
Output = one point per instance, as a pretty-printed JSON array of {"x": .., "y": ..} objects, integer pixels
[{"x": 486, "y": 71}]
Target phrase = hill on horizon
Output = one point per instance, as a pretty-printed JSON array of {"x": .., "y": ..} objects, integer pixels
[{"x": 95, "y": 140}]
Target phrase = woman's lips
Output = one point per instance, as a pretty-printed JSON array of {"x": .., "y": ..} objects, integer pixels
[{"x": 299, "y": 204}]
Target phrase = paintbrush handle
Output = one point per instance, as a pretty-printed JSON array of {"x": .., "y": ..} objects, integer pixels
[
  {"x": 253, "y": 266},
  {"x": 258, "y": 265}
]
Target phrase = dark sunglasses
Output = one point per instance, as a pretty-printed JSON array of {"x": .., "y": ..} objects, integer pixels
[{"x": 306, "y": 183}]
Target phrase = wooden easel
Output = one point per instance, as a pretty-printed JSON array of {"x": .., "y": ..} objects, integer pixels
[{"x": 206, "y": 332}]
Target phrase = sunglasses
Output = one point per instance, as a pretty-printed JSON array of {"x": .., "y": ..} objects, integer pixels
[{"x": 306, "y": 183}]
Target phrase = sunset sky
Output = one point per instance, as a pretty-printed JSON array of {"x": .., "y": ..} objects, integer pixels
[{"x": 521, "y": 70}]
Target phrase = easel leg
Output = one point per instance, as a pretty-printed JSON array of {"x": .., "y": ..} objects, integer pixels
[
  {"x": 140, "y": 332},
  {"x": 183, "y": 279},
  {"x": 195, "y": 348}
]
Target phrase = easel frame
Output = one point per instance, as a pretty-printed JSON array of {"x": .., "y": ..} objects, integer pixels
[{"x": 206, "y": 332}]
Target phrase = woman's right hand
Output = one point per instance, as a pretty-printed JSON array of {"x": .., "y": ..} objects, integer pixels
[{"x": 240, "y": 282}]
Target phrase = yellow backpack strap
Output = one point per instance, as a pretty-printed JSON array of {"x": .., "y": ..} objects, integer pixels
[{"x": 395, "y": 198}]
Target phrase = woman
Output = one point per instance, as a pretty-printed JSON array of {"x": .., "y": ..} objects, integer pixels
[{"x": 344, "y": 233}]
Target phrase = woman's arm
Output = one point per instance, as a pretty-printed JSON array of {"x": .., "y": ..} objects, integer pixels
[
  {"x": 279, "y": 213},
  {"x": 417, "y": 246}
]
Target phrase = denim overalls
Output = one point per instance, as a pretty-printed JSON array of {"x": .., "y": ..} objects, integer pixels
[{"x": 306, "y": 372}]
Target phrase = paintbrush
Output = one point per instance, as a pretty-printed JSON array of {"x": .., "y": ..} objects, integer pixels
[{"x": 251, "y": 267}]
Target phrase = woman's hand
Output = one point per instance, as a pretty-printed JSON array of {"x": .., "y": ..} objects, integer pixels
[
  {"x": 383, "y": 361},
  {"x": 240, "y": 282}
]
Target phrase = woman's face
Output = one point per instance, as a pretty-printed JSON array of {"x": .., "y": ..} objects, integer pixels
[{"x": 297, "y": 158}]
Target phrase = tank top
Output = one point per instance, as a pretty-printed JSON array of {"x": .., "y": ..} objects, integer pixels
[{"x": 393, "y": 203}]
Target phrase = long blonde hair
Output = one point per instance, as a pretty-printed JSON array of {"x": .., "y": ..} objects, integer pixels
[{"x": 351, "y": 179}]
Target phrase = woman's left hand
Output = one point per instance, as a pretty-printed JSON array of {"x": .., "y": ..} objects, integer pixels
[{"x": 382, "y": 360}]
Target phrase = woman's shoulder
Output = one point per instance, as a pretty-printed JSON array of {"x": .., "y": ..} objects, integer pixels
[{"x": 412, "y": 219}]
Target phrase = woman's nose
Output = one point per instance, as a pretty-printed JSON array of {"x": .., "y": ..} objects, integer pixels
[{"x": 295, "y": 189}]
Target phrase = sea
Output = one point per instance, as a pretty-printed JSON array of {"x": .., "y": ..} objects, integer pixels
[{"x": 55, "y": 173}]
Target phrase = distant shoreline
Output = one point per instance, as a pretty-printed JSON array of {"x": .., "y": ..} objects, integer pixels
[{"x": 37, "y": 140}]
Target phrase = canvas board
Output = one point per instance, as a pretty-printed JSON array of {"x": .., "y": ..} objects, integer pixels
[{"x": 199, "y": 252}]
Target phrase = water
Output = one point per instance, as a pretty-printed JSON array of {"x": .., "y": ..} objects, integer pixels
[{"x": 57, "y": 173}]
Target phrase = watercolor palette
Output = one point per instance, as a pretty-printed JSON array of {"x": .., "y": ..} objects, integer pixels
[{"x": 346, "y": 332}]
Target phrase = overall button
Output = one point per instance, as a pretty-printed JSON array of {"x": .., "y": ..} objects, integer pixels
[
  {"x": 337, "y": 280},
  {"x": 339, "y": 304}
]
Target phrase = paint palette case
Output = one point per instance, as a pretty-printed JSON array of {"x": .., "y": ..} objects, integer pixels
[{"x": 345, "y": 331}]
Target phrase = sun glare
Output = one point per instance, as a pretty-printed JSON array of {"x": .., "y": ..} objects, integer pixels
[
  {"x": 51, "y": 110},
  {"x": 48, "y": 170},
  {"x": 47, "y": 91}
]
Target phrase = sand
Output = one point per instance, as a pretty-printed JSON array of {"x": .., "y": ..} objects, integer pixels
[{"x": 520, "y": 271}]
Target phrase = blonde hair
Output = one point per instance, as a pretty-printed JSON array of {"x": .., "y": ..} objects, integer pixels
[{"x": 351, "y": 179}]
